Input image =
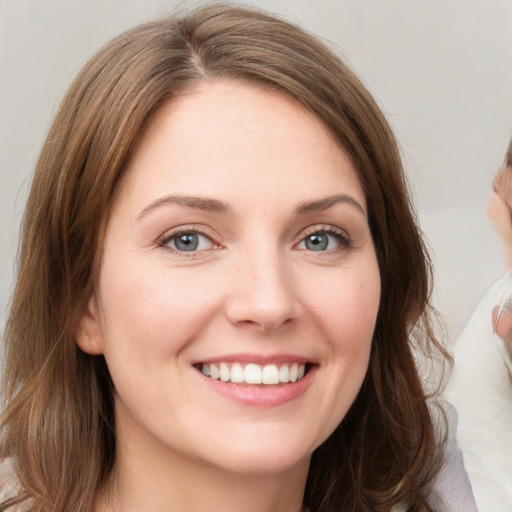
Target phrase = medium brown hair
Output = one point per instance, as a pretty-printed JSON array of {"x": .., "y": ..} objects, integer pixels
[{"x": 58, "y": 422}]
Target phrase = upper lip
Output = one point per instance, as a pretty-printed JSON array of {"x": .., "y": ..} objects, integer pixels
[{"x": 261, "y": 359}]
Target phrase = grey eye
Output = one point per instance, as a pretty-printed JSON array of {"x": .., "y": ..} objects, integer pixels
[
  {"x": 317, "y": 242},
  {"x": 182, "y": 241},
  {"x": 186, "y": 242}
]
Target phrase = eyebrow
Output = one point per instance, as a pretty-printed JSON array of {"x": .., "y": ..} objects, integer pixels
[
  {"x": 324, "y": 204},
  {"x": 197, "y": 203},
  {"x": 216, "y": 206}
]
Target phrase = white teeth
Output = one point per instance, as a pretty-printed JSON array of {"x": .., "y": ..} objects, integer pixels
[
  {"x": 214, "y": 371},
  {"x": 284, "y": 373},
  {"x": 269, "y": 374},
  {"x": 237, "y": 373},
  {"x": 225, "y": 374},
  {"x": 253, "y": 374},
  {"x": 294, "y": 373}
]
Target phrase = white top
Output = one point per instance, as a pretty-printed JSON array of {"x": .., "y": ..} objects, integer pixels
[
  {"x": 452, "y": 490},
  {"x": 480, "y": 388}
]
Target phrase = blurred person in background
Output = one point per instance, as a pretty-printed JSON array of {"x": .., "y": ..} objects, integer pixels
[{"x": 480, "y": 385}]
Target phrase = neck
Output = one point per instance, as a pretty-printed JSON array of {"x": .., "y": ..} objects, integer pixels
[{"x": 179, "y": 484}]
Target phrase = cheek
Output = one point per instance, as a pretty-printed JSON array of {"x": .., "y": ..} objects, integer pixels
[
  {"x": 351, "y": 308},
  {"x": 494, "y": 207},
  {"x": 345, "y": 315},
  {"x": 150, "y": 316},
  {"x": 499, "y": 214},
  {"x": 153, "y": 311},
  {"x": 346, "y": 308}
]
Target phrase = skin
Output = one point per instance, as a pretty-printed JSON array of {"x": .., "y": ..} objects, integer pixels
[
  {"x": 275, "y": 182},
  {"x": 502, "y": 325},
  {"x": 498, "y": 211}
]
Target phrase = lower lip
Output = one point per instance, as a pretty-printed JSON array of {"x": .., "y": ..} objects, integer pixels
[{"x": 262, "y": 396}]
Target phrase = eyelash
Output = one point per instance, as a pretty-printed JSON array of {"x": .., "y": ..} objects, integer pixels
[
  {"x": 340, "y": 235},
  {"x": 174, "y": 235}
]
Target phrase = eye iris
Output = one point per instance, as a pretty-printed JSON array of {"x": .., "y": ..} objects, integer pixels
[
  {"x": 187, "y": 242},
  {"x": 317, "y": 242}
]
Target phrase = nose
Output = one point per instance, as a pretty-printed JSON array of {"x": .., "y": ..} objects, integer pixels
[{"x": 262, "y": 293}]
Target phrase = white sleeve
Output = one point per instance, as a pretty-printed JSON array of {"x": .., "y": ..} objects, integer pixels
[
  {"x": 480, "y": 388},
  {"x": 452, "y": 490}
]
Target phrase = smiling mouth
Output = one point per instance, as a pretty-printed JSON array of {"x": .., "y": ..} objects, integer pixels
[{"x": 255, "y": 374}]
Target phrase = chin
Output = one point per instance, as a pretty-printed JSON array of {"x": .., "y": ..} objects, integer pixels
[
  {"x": 264, "y": 456},
  {"x": 264, "y": 464}
]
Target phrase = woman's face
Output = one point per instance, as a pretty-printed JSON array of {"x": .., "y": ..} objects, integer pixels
[{"x": 239, "y": 284}]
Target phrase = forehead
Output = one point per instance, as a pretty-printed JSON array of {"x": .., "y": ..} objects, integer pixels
[{"x": 241, "y": 137}]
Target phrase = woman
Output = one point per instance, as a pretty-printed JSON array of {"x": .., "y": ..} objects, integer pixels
[
  {"x": 480, "y": 386},
  {"x": 220, "y": 283}
]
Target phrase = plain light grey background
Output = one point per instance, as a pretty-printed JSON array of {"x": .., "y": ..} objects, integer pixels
[{"x": 440, "y": 69}]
